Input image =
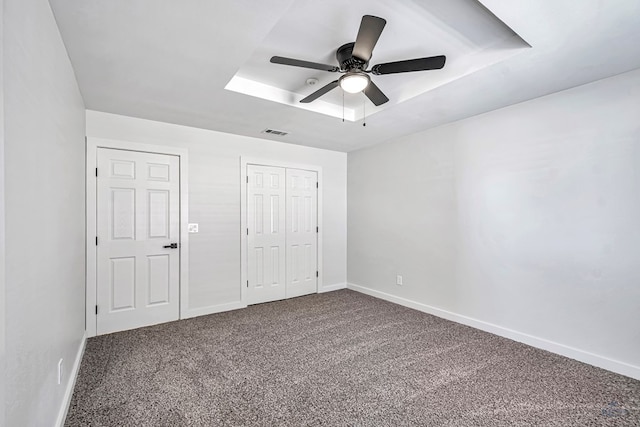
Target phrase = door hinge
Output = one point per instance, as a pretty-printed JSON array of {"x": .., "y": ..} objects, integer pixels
[
  {"x": 96, "y": 171},
  {"x": 317, "y": 229},
  {"x": 96, "y": 240},
  {"x": 247, "y": 283},
  {"x": 96, "y": 309},
  {"x": 317, "y": 275},
  {"x": 247, "y": 231},
  {"x": 316, "y": 185},
  {"x": 247, "y": 179}
]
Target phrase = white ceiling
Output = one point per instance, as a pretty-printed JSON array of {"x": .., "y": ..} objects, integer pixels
[
  {"x": 415, "y": 29},
  {"x": 170, "y": 60}
]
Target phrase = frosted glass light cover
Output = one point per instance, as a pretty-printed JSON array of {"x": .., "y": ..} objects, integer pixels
[{"x": 354, "y": 83}]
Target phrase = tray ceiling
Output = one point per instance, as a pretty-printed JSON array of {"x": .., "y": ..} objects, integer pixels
[{"x": 170, "y": 61}]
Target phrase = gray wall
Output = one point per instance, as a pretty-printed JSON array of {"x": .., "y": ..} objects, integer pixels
[
  {"x": 44, "y": 212},
  {"x": 525, "y": 218},
  {"x": 214, "y": 198},
  {"x": 3, "y": 378}
]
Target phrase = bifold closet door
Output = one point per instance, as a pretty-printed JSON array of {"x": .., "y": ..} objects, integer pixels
[
  {"x": 302, "y": 232},
  {"x": 266, "y": 234}
]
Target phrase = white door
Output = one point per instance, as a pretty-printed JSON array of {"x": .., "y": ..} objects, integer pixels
[
  {"x": 138, "y": 199},
  {"x": 302, "y": 232},
  {"x": 265, "y": 234}
]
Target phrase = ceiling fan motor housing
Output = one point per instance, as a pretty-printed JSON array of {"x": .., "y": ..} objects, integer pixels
[{"x": 347, "y": 61}]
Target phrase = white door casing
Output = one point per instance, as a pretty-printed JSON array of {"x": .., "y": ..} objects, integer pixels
[
  {"x": 266, "y": 234},
  {"x": 302, "y": 232},
  {"x": 138, "y": 213}
]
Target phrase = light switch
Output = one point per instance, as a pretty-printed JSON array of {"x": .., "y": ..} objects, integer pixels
[{"x": 193, "y": 228}]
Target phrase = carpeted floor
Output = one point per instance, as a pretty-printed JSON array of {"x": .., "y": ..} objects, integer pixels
[{"x": 338, "y": 359}]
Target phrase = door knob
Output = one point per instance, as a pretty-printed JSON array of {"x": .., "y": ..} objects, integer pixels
[{"x": 171, "y": 246}]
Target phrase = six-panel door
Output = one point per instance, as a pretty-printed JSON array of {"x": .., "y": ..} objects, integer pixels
[
  {"x": 266, "y": 234},
  {"x": 282, "y": 238},
  {"x": 138, "y": 203},
  {"x": 302, "y": 237}
]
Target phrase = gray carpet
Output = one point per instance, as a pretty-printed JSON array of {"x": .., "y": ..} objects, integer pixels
[{"x": 338, "y": 359}]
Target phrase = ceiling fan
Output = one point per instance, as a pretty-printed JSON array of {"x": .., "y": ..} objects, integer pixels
[{"x": 353, "y": 59}]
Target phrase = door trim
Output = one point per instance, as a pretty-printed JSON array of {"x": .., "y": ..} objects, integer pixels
[
  {"x": 91, "y": 213},
  {"x": 244, "y": 161}
]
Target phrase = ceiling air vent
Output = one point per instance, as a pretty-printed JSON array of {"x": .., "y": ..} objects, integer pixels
[{"x": 275, "y": 132}]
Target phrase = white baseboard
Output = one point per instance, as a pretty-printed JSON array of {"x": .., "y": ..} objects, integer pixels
[
  {"x": 71, "y": 383},
  {"x": 554, "y": 347},
  {"x": 331, "y": 288},
  {"x": 212, "y": 309}
]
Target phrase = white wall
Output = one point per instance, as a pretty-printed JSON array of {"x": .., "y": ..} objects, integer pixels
[
  {"x": 214, "y": 199},
  {"x": 3, "y": 378},
  {"x": 523, "y": 221},
  {"x": 44, "y": 212}
]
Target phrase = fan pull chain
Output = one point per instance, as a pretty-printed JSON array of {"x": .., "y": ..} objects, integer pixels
[
  {"x": 342, "y": 106},
  {"x": 364, "y": 112}
]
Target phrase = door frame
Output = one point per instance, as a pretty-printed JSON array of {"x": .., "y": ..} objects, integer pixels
[
  {"x": 244, "y": 162},
  {"x": 93, "y": 144}
]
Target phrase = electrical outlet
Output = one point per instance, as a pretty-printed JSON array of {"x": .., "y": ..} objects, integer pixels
[
  {"x": 399, "y": 280},
  {"x": 193, "y": 228},
  {"x": 60, "y": 370}
]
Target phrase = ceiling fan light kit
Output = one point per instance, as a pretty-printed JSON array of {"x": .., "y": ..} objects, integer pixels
[
  {"x": 354, "y": 59},
  {"x": 354, "y": 82}
]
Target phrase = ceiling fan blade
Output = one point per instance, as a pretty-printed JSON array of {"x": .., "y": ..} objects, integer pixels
[
  {"x": 303, "y": 64},
  {"x": 368, "y": 35},
  {"x": 317, "y": 94},
  {"x": 374, "y": 93},
  {"x": 419, "y": 64}
]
